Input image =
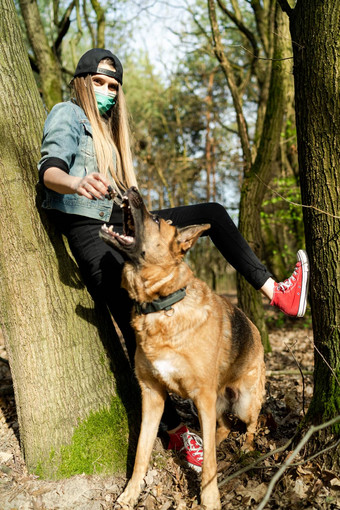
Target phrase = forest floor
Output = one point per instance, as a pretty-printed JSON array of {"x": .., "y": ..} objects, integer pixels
[{"x": 307, "y": 484}]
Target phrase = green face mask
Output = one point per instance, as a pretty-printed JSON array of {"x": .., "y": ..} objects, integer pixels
[{"x": 104, "y": 102}]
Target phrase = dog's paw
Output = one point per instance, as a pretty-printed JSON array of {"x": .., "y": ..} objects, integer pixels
[
  {"x": 210, "y": 499},
  {"x": 247, "y": 448},
  {"x": 127, "y": 500},
  {"x": 211, "y": 506},
  {"x": 121, "y": 504},
  {"x": 248, "y": 444}
]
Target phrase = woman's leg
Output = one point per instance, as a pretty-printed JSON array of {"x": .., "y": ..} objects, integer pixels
[
  {"x": 101, "y": 269},
  {"x": 289, "y": 296},
  {"x": 225, "y": 236}
]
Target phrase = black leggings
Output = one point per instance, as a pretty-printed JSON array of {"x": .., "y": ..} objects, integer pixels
[
  {"x": 101, "y": 266},
  {"x": 225, "y": 236}
]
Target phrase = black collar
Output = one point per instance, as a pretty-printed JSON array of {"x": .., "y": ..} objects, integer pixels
[{"x": 162, "y": 303}]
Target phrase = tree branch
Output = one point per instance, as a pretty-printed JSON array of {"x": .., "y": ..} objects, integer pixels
[
  {"x": 297, "y": 450},
  {"x": 63, "y": 25},
  {"x": 100, "y": 15},
  {"x": 241, "y": 26},
  {"x": 257, "y": 461},
  {"x": 275, "y": 373},
  {"x": 262, "y": 21},
  {"x": 328, "y": 365},
  {"x": 302, "y": 376},
  {"x": 226, "y": 67},
  {"x": 286, "y": 7},
  {"x": 337, "y": 217}
]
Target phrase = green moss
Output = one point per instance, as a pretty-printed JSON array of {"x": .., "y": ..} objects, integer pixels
[
  {"x": 332, "y": 407},
  {"x": 39, "y": 470},
  {"x": 99, "y": 445}
]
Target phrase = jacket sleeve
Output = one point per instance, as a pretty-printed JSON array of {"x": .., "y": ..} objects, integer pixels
[{"x": 60, "y": 140}]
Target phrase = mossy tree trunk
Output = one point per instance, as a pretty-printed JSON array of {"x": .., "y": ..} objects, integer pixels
[
  {"x": 315, "y": 32},
  {"x": 58, "y": 346},
  {"x": 258, "y": 173}
]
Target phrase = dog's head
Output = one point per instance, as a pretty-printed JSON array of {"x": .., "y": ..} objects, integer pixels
[{"x": 147, "y": 238}]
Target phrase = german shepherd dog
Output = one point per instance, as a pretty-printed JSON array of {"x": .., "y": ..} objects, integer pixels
[{"x": 201, "y": 347}]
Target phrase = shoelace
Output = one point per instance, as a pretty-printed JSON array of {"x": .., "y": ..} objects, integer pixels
[
  {"x": 193, "y": 445},
  {"x": 289, "y": 282}
]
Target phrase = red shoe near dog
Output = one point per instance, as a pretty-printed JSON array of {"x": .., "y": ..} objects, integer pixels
[
  {"x": 189, "y": 445},
  {"x": 290, "y": 296}
]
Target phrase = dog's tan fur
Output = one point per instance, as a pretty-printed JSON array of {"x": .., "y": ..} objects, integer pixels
[{"x": 204, "y": 348}]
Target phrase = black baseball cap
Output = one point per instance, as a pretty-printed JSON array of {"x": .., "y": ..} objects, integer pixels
[{"x": 88, "y": 64}]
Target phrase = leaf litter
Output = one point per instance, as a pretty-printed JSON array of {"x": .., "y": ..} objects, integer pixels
[{"x": 243, "y": 483}]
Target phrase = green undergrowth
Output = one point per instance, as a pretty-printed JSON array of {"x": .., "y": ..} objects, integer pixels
[{"x": 99, "y": 445}]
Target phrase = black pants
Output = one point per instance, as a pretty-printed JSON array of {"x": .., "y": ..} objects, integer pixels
[{"x": 101, "y": 266}]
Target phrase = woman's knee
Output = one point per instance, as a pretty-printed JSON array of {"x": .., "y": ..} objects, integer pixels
[
  {"x": 214, "y": 211},
  {"x": 216, "y": 208}
]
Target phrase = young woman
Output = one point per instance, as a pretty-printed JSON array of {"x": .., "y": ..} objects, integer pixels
[{"x": 86, "y": 165}]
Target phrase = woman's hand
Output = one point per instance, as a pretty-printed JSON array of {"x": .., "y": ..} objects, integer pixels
[{"x": 92, "y": 186}]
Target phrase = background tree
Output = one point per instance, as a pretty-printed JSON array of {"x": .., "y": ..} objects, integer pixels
[
  {"x": 315, "y": 33},
  {"x": 58, "y": 33},
  {"x": 194, "y": 137},
  {"x": 58, "y": 346},
  {"x": 189, "y": 127},
  {"x": 259, "y": 158},
  {"x": 45, "y": 54},
  {"x": 180, "y": 143}
]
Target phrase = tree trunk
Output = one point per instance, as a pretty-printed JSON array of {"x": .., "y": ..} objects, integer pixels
[
  {"x": 254, "y": 182},
  {"x": 209, "y": 142},
  {"x": 100, "y": 15},
  {"x": 49, "y": 68},
  {"x": 61, "y": 370},
  {"x": 315, "y": 32}
]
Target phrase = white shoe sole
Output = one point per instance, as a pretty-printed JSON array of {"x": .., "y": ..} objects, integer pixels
[
  {"x": 198, "y": 469},
  {"x": 303, "y": 258}
]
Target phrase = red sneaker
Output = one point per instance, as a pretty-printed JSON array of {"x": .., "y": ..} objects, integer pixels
[
  {"x": 188, "y": 444},
  {"x": 290, "y": 296}
]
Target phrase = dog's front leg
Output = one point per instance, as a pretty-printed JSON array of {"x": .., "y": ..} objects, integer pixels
[
  {"x": 206, "y": 405},
  {"x": 153, "y": 399}
]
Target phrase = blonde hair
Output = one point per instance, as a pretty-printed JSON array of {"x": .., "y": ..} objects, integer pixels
[{"x": 114, "y": 135}]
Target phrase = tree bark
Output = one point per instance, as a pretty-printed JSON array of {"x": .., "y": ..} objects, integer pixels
[
  {"x": 48, "y": 65},
  {"x": 315, "y": 32},
  {"x": 57, "y": 345}
]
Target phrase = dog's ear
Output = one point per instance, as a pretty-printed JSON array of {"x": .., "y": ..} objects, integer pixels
[{"x": 187, "y": 236}]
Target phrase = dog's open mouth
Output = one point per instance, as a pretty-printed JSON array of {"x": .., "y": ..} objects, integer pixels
[{"x": 127, "y": 239}]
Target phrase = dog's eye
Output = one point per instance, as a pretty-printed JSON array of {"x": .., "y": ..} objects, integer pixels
[{"x": 155, "y": 219}]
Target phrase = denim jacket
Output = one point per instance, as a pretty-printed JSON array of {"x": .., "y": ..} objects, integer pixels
[{"x": 67, "y": 136}]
